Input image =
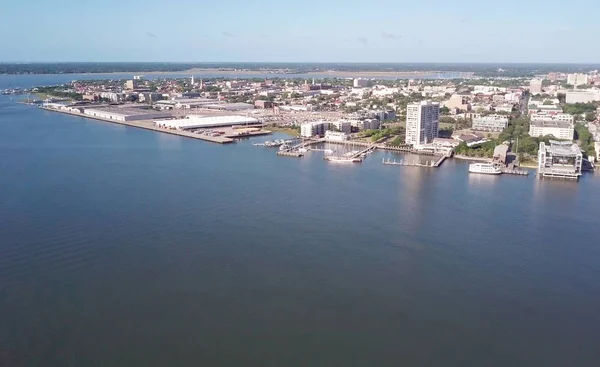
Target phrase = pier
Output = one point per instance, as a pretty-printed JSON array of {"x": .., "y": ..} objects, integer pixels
[
  {"x": 515, "y": 172},
  {"x": 406, "y": 163},
  {"x": 289, "y": 153},
  {"x": 432, "y": 163}
]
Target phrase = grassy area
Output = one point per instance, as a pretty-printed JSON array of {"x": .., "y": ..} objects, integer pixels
[
  {"x": 41, "y": 96},
  {"x": 284, "y": 130}
]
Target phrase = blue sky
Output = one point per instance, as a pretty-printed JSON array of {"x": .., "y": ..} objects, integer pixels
[{"x": 308, "y": 30}]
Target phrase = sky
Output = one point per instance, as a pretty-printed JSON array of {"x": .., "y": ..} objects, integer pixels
[{"x": 549, "y": 31}]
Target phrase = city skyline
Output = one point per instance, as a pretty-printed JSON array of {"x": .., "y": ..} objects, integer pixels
[{"x": 267, "y": 31}]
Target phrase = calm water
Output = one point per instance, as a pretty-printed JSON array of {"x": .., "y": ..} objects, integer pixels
[{"x": 124, "y": 247}]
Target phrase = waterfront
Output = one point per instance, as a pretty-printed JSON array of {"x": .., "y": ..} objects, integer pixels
[{"x": 122, "y": 246}]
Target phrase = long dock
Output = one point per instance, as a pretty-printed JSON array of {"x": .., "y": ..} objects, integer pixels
[
  {"x": 406, "y": 163},
  {"x": 515, "y": 172},
  {"x": 432, "y": 163}
]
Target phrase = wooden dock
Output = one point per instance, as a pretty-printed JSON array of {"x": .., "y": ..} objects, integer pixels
[
  {"x": 406, "y": 163},
  {"x": 289, "y": 153},
  {"x": 515, "y": 172},
  {"x": 402, "y": 162}
]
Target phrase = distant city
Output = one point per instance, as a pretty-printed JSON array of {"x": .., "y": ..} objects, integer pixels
[{"x": 545, "y": 120}]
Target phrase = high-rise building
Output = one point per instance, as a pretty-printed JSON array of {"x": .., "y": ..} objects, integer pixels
[
  {"x": 422, "y": 122},
  {"x": 360, "y": 83},
  {"x": 535, "y": 86},
  {"x": 577, "y": 79},
  {"x": 132, "y": 84}
]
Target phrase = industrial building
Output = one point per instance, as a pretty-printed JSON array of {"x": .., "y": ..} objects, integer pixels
[
  {"x": 422, "y": 122},
  {"x": 490, "y": 123},
  {"x": 559, "y": 159},
  {"x": 313, "y": 128},
  {"x": 198, "y": 122},
  {"x": 558, "y": 129},
  {"x": 228, "y": 106},
  {"x": 125, "y": 114},
  {"x": 186, "y": 103}
]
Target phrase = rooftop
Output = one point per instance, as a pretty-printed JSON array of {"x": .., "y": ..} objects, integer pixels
[
  {"x": 561, "y": 148},
  {"x": 553, "y": 123},
  {"x": 125, "y": 111}
]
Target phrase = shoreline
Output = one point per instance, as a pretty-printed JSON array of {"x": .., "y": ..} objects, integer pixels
[
  {"x": 278, "y": 74},
  {"x": 148, "y": 125},
  {"x": 467, "y": 158}
]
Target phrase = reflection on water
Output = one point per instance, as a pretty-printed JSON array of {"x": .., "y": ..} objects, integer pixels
[{"x": 476, "y": 180}]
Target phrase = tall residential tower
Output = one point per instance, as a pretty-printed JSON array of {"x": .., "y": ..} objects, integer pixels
[{"x": 422, "y": 122}]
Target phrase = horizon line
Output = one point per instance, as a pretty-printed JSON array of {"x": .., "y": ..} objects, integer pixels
[{"x": 309, "y": 62}]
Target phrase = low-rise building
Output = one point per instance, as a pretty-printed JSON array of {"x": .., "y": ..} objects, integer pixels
[
  {"x": 335, "y": 136},
  {"x": 549, "y": 109},
  {"x": 197, "y": 122},
  {"x": 563, "y": 117},
  {"x": 458, "y": 102},
  {"x": 505, "y": 107},
  {"x": 263, "y": 104},
  {"x": 558, "y": 129},
  {"x": 490, "y": 122},
  {"x": 500, "y": 153},
  {"x": 582, "y": 96}
]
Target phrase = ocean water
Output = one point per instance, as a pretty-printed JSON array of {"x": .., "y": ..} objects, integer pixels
[{"x": 120, "y": 246}]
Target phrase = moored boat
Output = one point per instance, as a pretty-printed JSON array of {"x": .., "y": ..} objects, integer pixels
[{"x": 485, "y": 168}]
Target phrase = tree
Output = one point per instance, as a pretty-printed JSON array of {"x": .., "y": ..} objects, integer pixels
[
  {"x": 590, "y": 116},
  {"x": 444, "y": 110}
]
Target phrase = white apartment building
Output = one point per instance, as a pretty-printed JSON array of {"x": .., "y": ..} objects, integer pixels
[
  {"x": 504, "y": 108},
  {"x": 343, "y": 126},
  {"x": 577, "y": 79},
  {"x": 360, "y": 83},
  {"x": 367, "y": 124},
  {"x": 535, "y": 86},
  {"x": 335, "y": 136},
  {"x": 562, "y": 117},
  {"x": 422, "y": 122},
  {"x": 313, "y": 128},
  {"x": 490, "y": 122},
  {"x": 558, "y": 129}
]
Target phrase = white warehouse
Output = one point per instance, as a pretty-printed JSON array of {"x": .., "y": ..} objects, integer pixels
[
  {"x": 125, "y": 114},
  {"x": 198, "y": 122}
]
